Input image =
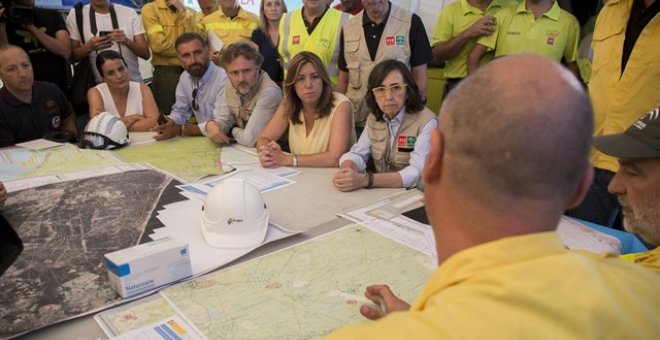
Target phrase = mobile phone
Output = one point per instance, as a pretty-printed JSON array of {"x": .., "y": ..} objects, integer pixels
[{"x": 103, "y": 33}]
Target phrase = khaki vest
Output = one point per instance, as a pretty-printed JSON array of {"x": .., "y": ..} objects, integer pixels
[
  {"x": 394, "y": 44},
  {"x": 390, "y": 158},
  {"x": 238, "y": 107},
  {"x": 323, "y": 41}
]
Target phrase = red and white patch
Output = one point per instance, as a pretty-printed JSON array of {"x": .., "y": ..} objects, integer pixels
[{"x": 390, "y": 40}]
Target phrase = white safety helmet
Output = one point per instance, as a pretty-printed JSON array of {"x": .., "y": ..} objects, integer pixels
[
  {"x": 105, "y": 131},
  {"x": 234, "y": 215}
]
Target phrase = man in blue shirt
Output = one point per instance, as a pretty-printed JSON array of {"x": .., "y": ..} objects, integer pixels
[{"x": 199, "y": 86}]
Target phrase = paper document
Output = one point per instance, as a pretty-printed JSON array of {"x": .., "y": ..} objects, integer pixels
[
  {"x": 172, "y": 328},
  {"x": 387, "y": 208},
  {"x": 39, "y": 144},
  {"x": 215, "y": 42},
  {"x": 261, "y": 180}
]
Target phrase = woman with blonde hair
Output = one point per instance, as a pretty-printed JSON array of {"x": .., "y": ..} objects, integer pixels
[
  {"x": 320, "y": 121},
  {"x": 131, "y": 101},
  {"x": 267, "y": 36}
]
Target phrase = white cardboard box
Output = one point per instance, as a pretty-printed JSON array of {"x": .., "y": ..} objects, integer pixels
[{"x": 147, "y": 266}]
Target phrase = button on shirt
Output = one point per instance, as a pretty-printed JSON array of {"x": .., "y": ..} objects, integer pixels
[
  {"x": 209, "y": 88},
  {"x": 361, "y": 151}
]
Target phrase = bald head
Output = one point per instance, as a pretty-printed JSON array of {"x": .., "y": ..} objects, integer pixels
[{"x": 519, "y": 128}]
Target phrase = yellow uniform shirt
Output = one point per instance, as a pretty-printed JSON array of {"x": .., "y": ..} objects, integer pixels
[
  {"x": 649, "y": 259},
  {"x": 527, "y": 287},
  {"x": 163, "y": 27},
  {"x": 454, "y": 19},
  {"x": 620, "y": 98},
  {"x": 555, "y": 34},
  {"x": 231, "y": 30}
]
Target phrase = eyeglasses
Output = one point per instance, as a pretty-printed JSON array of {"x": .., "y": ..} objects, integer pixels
[
  {"x": 195, "y": 105},
  {"x": 395, "y": 89}
]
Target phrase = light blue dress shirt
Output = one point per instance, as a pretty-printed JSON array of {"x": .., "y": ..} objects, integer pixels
[
  {"x": 410, "y": 175},
  {"x": 209, "y": 89}
]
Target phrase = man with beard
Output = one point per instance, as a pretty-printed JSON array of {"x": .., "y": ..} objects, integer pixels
[
  {"x": 250, "y": 101},
  {"x": 637, "y": 182},
  {"x": 199, "y": 86}
]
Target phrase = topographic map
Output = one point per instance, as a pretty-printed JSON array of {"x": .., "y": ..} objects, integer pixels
[
  {"x": 189, "y": 158},
  {"x": 66, "y": 229},
  {"x": 20, "y": 163},
  {"x": 301, "y": 292}
]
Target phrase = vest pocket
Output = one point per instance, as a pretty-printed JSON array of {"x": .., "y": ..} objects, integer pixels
[
  {"x": 354, "y": 74},
  {"x": 401, "y": 160}
]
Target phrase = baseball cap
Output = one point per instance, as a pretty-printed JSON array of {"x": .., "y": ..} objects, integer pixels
[{"x": 640, "y": 140}]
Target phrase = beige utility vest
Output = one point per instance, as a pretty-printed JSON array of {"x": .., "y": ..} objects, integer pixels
[
  {"x": 394, "y": 44},
  {"x": 242, "y": 110},
  {"x": 390, "y": 158}
]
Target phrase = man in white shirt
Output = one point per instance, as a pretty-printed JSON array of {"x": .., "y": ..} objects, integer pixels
[{"x": 128, "y": 38}]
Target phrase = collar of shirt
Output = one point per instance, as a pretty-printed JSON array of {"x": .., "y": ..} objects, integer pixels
[
  {"x": 552, "y": 13},
  {"x": 241, "y": 14},
  {"x": 367, "y": 21},
  {"x": 15, "y": 102},
  {"x": 311, "y": 25},
  {"x": 393, "y": 124},
  {"x": 253, "y": 92},
  {"x": 207, "y": 75},
  {"x": 489, "y": 256},
  {"x": 466, "y": 8}
]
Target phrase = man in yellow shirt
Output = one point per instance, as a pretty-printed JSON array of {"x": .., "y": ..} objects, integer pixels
[
  {"x": 624, "y": 82},
  {"x": 637, "y": 183},
  {"x": 459, "y": 26},
  {"x": 534, "y": 26},
  {"x": 503, "y": 272},
  {"x": 229, "y": 24},
  {"x": 164, "y": 21}
]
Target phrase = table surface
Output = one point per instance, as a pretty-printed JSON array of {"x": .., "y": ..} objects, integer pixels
[{"x": 309, "y": 206}]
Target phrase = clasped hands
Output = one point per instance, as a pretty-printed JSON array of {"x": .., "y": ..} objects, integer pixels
[{"x": 271, "y": 155}]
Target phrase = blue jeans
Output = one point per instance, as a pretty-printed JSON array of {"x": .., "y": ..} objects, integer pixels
[{"x": 599, "y": 206}]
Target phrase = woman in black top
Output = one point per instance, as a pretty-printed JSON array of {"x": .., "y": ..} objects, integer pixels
[{"x": 267, "y": 36}]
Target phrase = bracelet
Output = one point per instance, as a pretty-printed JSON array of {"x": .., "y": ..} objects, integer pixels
[
  {"x": 370, "y": 179},
  {"x": 295, "y": 161}
]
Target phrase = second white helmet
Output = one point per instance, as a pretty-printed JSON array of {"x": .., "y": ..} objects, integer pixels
[
  {"x": 234, "y": 215},
  {"x": 105, "y": 131}
]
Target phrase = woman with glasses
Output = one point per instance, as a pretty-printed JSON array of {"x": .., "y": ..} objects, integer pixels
[
  {"x": 319, "y": 121},
  {"x": 131, "y": 101},
  {"x": 392, "y": 149}
]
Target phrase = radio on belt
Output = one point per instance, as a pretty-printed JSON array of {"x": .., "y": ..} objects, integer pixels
[{"x": 147, "y": 266}]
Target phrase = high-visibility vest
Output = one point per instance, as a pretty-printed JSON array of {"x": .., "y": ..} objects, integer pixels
[{"x": 323, "y": 41}]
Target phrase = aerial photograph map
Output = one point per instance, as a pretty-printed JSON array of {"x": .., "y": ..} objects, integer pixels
[{"x": 66, "y": 229}]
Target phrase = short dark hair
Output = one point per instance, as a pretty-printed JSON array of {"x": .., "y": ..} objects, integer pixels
[
  {"x": 414, "y": 101},
  {"x": 187, "y": 37},
  {"x": 106, "y": 55},
  {"x": 240, "y": 48},
  {"x": 292, "y": 103}
]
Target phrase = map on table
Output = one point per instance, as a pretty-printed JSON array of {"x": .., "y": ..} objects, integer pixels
[
  {"x": 301, "y": 292},
  {"x": 20, "y": 162},
  {"x": 66, "y": 229},
  {"x": 129, "y": 317},
  {"x": 189, "y": 158}
]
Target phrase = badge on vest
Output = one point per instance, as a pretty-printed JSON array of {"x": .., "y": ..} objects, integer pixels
[
  {"x": 552, "y": 35},
  {"x": 405, "y": 143},
  {"x": 389, "y": 40},
  {"x": 400, "y": 40},
  {"x": 296, "y": 40}
]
